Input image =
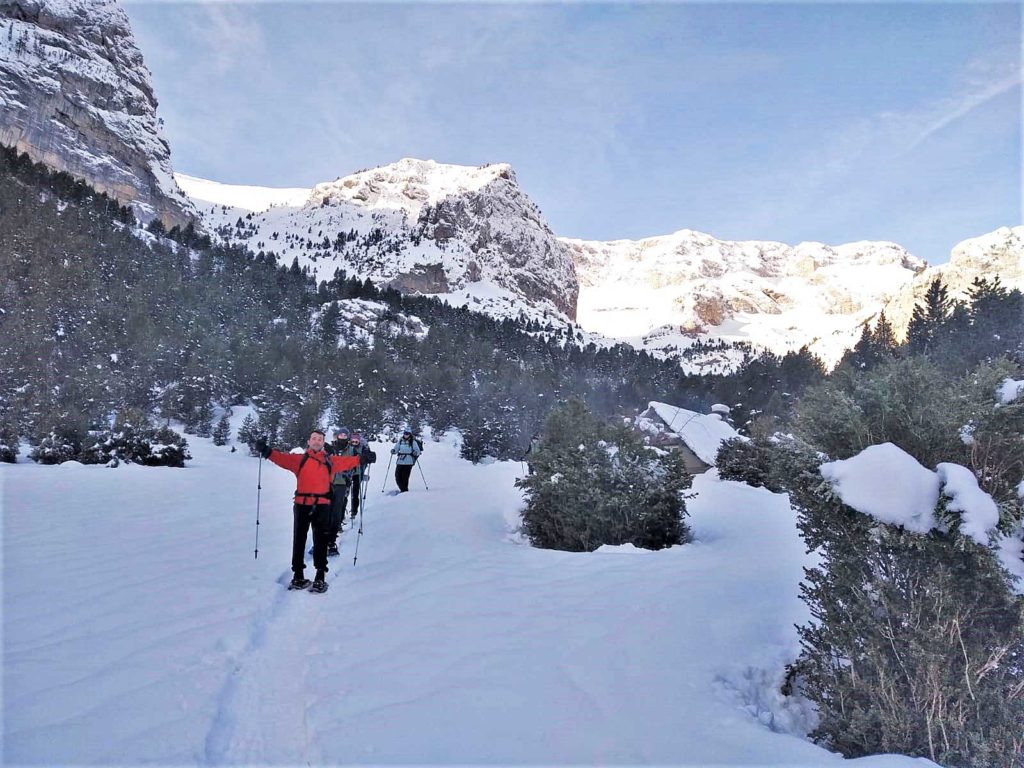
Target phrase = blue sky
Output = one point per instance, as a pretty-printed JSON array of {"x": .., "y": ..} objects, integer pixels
[{"x": 787, "y": 122}]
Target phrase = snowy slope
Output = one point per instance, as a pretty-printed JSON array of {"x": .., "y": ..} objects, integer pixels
[
  {"x": 76, "y": 95},
  {"x": 139, "y": 628},
  {"x": 466, "y": 234},
  {"x": 672, "y": 289}
]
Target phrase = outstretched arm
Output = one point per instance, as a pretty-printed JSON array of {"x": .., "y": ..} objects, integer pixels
[
  {"x": 287, "y": 461},
  {"x": 343, "y": 463}
]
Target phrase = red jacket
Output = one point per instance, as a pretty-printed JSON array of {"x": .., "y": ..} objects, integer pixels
[{"x": 314, "y": 481}]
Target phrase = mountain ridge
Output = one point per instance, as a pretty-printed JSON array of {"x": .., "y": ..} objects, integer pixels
[{"x": 662, "y": 294}]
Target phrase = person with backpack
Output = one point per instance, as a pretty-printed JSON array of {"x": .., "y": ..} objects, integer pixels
[
  {"x": 531, "y": 448},
  {"x": 366, "y": 457},
  {"x": 341, "y": 482},
  {"x": 406, "y": 451},
  {"x": 313, "y": 471}
]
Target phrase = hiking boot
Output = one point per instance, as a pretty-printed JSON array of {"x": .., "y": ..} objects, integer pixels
[
  {"x": 332, "y": 550},
  {"x": 319, "y": 583},
  {"x": 298, "y": 582}
]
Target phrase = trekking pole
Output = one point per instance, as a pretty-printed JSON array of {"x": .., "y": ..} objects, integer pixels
[
  {"x": 421, "y": 475},
  {"x": 259, "y": 487},
  {"x": 387, "y": 474},
  {"x": 362, "y": 506}
]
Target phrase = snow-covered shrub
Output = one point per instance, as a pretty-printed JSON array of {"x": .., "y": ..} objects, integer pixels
[
  {"x": 764, "y": 462},
  {"x": 167, "y": 449},
  {"x": 9, "y": 442},
  {"x": 596, "y": 484},
  {"x": 8, "y": 452},
  {"x": 917, "y": 643},
  {"x": 747, "y": 461},
  {"x": 55, "y": 448},
  {"x": 126, "y": 442},
  {"x": 995, "y": 424},
  {"x": 917, "y": 639}
]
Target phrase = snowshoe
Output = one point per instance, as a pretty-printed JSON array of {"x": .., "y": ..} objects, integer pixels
[
  {"x": 332, "y": 550},
  {"x": 319, "y": 584},
  {"x": 299, "y": 583}
]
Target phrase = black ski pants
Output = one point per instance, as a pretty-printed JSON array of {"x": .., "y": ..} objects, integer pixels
[
  {"x": 339, "y": 502},
  {"x": 402, "y": 472},
  {"x": 356, "y": 485},
  {"x": 317, "y": 517}
]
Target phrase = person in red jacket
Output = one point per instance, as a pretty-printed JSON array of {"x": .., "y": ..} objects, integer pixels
[{"x": 313, "y": 472}]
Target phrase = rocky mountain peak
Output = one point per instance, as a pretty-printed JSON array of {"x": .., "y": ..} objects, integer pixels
[
  {"x": 467, "y": 233},
  {"x": 411, "y": 184}
]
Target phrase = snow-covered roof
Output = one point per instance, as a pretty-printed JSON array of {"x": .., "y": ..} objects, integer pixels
[{"x": 702, "y": 433}]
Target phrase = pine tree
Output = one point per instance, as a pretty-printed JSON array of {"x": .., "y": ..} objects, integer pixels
[
  {"x": 884, "y": 338},
  {"x": 248, "y": 432},
  {"x": 928, "y": 318},
  {"x": 222, "y": 432}
]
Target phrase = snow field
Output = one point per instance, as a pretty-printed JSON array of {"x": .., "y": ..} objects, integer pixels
[{"x": 140, "y": 629}]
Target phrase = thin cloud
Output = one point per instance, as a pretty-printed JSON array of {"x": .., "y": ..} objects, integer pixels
[{"x": 962, "y": 104}]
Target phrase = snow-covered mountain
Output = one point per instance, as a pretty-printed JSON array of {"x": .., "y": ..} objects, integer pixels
[
  {"x": 669, "y": 290},
  {"x": 995, "y": 254},
  {"x": 76, "y": 95},
  {"x": 469, "y": 235}
]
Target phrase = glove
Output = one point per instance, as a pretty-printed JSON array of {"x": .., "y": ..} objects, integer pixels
[
  {"x": 392, "y": 451},
  {"x": 262, "y": 448},
  {"x": 371, "y": 458}
]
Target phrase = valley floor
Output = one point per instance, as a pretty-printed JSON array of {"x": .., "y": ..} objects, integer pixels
[{"x": 139, "y": 628}]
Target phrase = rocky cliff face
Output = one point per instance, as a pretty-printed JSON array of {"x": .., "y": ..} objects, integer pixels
[
  {"x": 674, "y": 289},
  {"x": 75, "y": 95},
  {"x": 467, "y": 234}
]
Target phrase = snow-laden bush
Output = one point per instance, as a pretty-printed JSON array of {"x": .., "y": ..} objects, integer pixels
[
  {"x": 917, "y": 639},
  {"x": 766, "y": 462},
  {"x": 126, "y": 442},
  {"x": 917, "y": 642},
  {"x": 910, "y": 402},
  {"x": 55, "y": 448},
  {"x": 8, "y": 452},
  {"x": 596, "y": 484},
  {"x": 132, "y": 439},
  {"x": 9, "y": 442}
]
